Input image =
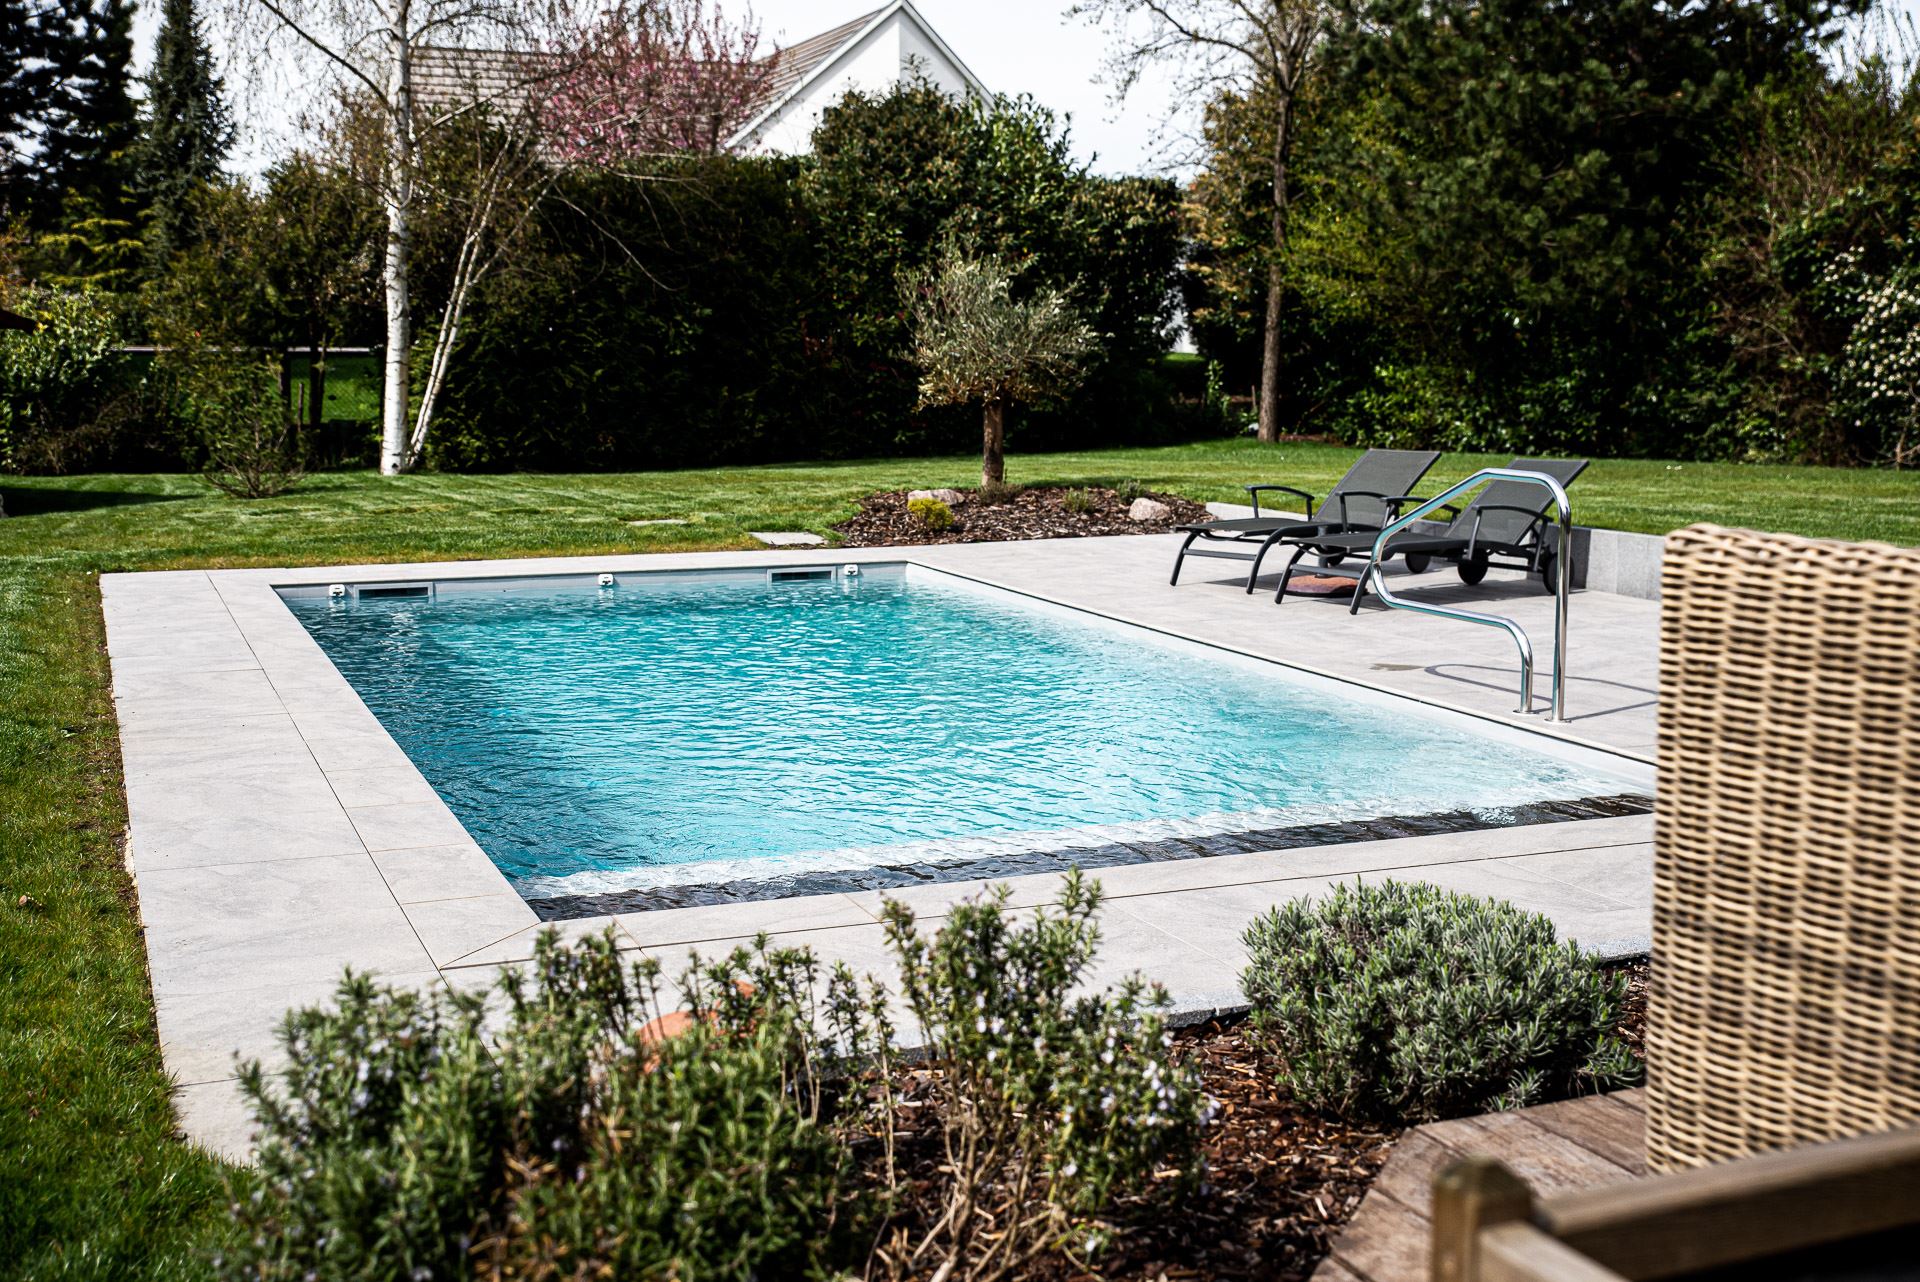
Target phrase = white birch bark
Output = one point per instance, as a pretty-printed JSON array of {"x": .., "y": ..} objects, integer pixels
[{"x": 397, "y": 453}]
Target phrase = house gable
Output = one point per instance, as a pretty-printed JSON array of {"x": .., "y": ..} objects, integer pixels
[{"x": 871, "y": 54}]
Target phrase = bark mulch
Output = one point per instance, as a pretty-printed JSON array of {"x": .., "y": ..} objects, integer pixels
[
  {"x": 1038, "y": 512},
  {"x": 1281, "y": 1180}
]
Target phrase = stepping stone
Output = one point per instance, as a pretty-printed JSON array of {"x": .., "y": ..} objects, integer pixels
[{"x": 788, "y": 538}]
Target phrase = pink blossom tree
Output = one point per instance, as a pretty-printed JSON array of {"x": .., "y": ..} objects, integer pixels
[{"x": 652, "y": 78}]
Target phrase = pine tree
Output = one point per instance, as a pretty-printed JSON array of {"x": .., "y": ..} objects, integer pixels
[
  {"x": 26, "y": 74},
  {"x": 188, "y": 130},
  {"x": 84, "y": 120}
]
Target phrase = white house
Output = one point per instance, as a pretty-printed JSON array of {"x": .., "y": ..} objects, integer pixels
[{"x": 872, "y": 54}]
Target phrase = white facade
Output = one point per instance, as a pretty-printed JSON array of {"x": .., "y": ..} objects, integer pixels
[{"x": 896, "y": 47}]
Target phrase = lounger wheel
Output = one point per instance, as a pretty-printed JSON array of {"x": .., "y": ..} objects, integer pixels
[
  {"x": 1331, "y": 559},
  {"x": 1417, "y": 562},
  {"x": 1473, "y": 569},
  {"x": 1550, "y": 572}
]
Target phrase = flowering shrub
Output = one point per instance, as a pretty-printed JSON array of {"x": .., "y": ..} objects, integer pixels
[
  {"x": 1408, "y": 1002},
  {"x": 1051, "y": 1104},
  {"x": 653, "y": 78},
  {"x": 1876, "y": 380}
]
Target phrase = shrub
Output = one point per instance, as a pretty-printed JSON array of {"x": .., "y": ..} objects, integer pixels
[
  {"x": 1408, "y": 1002},
  {"x": 1053, "y": 1101},
  {"x": 402, "y": 1145},
  {"x": 999, "y": 492},
  {"x": 245, "y": 430},
  {"x": 1080, "y": 502},
  {"x": 1130, "y": 490},
  {"x": 932, "y": 514},
  {"x": 408, "y": 1141},
  {"x": 65, "y": 387}
]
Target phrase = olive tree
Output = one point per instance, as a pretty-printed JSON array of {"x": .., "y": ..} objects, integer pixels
[{"x": 973, "y": 340}]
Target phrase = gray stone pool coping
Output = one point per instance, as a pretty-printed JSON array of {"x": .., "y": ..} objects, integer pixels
[{"x": 278, "y": 834}]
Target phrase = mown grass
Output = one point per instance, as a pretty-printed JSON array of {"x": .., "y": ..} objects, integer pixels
[{"x": 93, "y": 1182}]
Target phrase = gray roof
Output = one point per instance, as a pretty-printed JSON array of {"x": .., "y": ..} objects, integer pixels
[
  {"x": 447, "y": 79},
  {"x": 793, "y": 65}
]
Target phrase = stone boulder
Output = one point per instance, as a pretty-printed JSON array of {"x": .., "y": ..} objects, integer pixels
[
  {"x": 1145, "y": 509},
  {"x": 949, "y": 497}
]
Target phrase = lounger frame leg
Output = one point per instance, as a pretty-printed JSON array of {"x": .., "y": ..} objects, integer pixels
[
  {"x": 1286, "y": 575},
  {"x": 1175, "y": 580},
  {"x": 1260, "y": 556}
]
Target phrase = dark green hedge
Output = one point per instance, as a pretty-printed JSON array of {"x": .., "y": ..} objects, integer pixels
[{"x": 741, "y": 310}]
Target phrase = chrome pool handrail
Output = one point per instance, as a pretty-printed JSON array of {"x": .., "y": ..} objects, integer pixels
[{"x": 1563, "y": 573}]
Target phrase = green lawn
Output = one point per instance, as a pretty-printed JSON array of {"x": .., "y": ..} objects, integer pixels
[{"x": 93, "y": 1185}]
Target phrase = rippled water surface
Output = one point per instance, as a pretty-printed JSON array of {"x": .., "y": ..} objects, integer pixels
[{"x": 708, "y": 730}]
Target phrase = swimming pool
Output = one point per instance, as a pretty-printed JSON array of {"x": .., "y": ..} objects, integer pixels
[{"x": 687, "y": 737}]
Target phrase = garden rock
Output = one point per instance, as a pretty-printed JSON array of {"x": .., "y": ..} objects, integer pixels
[
  {"x": 950, "y": 497},
  {"x": 1145, "y": 509}
]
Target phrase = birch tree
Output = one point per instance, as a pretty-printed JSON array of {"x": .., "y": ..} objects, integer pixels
[
  {"x": 1268, "y": 48},
  {"x": 484, "y": 148}
]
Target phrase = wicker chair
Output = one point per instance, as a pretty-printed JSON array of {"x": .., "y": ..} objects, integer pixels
[{"x": 1785, "y": 1006}]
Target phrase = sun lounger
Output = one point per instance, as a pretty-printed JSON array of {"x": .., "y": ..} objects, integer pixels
[
  {"x": 1366, "y": 498},
  {"x": 1505, "y": 526}
]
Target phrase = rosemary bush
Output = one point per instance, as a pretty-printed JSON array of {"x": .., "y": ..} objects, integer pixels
[
  {"x": 404, "y": 1144},
  {"x": 1053, "y": 1101},
  {"x": 1408, "y": 1002},
  {"x": 409, "y": 1142}
]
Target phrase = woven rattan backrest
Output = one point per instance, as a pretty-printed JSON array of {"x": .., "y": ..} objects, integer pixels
[{"x": 1786, "y": 929}]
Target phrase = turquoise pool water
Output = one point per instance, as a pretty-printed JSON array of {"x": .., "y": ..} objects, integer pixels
[{"x": 675, "y": 731}]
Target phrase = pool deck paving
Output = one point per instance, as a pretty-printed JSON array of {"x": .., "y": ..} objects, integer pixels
[{"x": 278, "y": 834}]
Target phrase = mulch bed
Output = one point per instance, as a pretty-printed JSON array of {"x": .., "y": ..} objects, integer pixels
[
  {"x": 1281, "y": 1180},
  {"x": 1040, "y": 512}
]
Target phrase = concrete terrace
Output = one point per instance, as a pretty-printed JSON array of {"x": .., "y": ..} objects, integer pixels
[{"x": 278, "y": 834}]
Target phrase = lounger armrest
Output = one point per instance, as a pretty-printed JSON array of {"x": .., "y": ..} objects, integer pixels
[
  {"x": 1398, "y": 501},
  {"x": 1254, "y": 491}
]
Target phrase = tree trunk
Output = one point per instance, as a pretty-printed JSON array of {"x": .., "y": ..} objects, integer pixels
[
  {"x": 395, "y": 457},
  {"x": 993, "y": 446},
  {"x": 316, "y": 385},
  {"x": 1276, "y": 276}
]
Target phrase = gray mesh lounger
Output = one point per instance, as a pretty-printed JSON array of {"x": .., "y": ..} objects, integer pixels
[
  {"x": 1378, "y": 484},
  {"x": 1506, "y": 519}
]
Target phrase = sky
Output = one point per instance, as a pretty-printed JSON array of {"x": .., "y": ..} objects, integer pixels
[{"x": 1014, "y": 47}]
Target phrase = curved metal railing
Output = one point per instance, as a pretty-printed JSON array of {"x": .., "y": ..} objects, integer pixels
[{"x": 1563, "y": 573}]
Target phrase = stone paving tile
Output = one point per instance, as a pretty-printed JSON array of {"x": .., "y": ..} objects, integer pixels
[
  {"x": 217, "y": 928},
  {"x": 177, "y": 841},
  {"x": 363, "y": 789},
  {"x": 456, "y": 929},
  {"x": 407, "y": 825},
  {"x": 202, "y": 1034},
  {"x": 423, "y": 874},
  {"x": 726, "y": 921},
  {"x": 214, "y": 1116},
  {"x": 313, "y": 899}
]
